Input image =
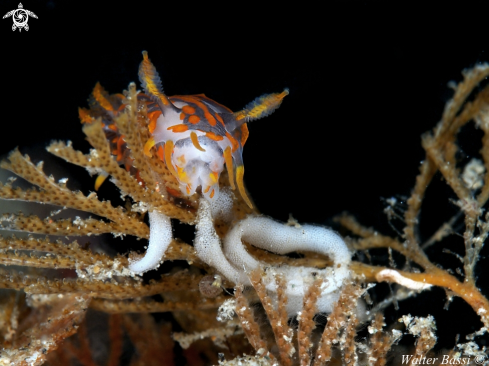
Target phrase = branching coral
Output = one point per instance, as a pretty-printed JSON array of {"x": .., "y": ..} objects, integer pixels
[{"x": 279, "y": 299}]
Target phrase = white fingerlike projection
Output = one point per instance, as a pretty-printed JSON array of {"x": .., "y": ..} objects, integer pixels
[{"x": 160, "y": 237}]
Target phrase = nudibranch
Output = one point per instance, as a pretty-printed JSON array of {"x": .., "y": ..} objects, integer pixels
[
  {"x": 192, "y": 134},
  {"x": 107, "y": 107},
  {"x": 196, "y": 136}
]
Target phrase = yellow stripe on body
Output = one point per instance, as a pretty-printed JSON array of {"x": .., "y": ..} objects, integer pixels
[
  {"x": 168, "y": 153},
  {"x": 195, "y": 141},
  {"x": 147, "y": 147},
  {"x": 100, "y": 179},
  {"x": 228, "y": 158},
  {"x": 239, "y": 181}
]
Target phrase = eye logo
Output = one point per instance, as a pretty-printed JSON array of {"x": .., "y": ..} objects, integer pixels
[{"x": 20, "y": 17}]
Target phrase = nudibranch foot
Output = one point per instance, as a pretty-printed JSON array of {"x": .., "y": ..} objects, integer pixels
[
  {"x": 208, "y": 245},
  {"x": 236, "y": 264},
  {"x": 279, "y": 238},
  {"x": 161, "y": 235}
]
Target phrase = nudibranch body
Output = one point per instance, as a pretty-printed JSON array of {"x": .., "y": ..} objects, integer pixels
[
  {"x": 107, "y": 107},
  {"x": 196, "y": 136}
]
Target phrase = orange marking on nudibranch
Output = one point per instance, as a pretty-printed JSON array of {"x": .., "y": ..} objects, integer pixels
[
  {"x": 207, "y": 189},
  {"x": 233, "y": 141},
  {"x": 195, "y": 141},
  {"x": 228, "y": 158},
  {"x": 212, "y": 194},
  {"x": 139, "y": 179},
  {"x": 112, "y": 127},
  {"x": 239, "y": 181},
  {"x": 84, "y": 115},
  {"x": 182, "y": 116},
  {"x": 213, "y": 136},
  {"x": 178, "y": 128},
  {"x": 168, "y": 153},
  {"x": 98, "y": 94},
  {"x": 193, "y": 119},
  {"x": 188, "y": 109},
  {"x": 148, "y": 145},
  {"x": 244, "y": 133},
  {"x": 208, "y": 116},
  {"x": 219, "y": 118},
  {"x": 214, "y": 176},
  {"x": 160, "y": 153},
  {"x": 153, "y": 117},
  {"x": 120, "y": 142}
]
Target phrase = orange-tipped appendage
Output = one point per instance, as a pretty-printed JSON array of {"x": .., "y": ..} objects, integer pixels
[
  {"x": 147, "y": 147},
  {"x": 100, "y": 179},
  {"x": 84, "y": 115},
  {"x": 261, "y": 106},
  {"x": 168, "y": 153},
  {"x": 148, "y": 73},
  {"x": 240, "y": 183},
  {"x": 195, "y": 141},
  {"x": 99, "y": 95},
  {"x": 228, "y": 158}
]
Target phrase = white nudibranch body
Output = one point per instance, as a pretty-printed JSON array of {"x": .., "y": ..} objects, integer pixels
[
  {"x": 279, "y": 238},
  {"x": 160, "y": 237},
  {"x": 235, "y": 263}
]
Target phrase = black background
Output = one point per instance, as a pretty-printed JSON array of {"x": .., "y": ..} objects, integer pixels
[{"x": 366, "y": 79}]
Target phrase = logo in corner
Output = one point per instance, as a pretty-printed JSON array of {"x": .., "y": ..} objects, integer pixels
[{"x": 20, "y": 17}]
